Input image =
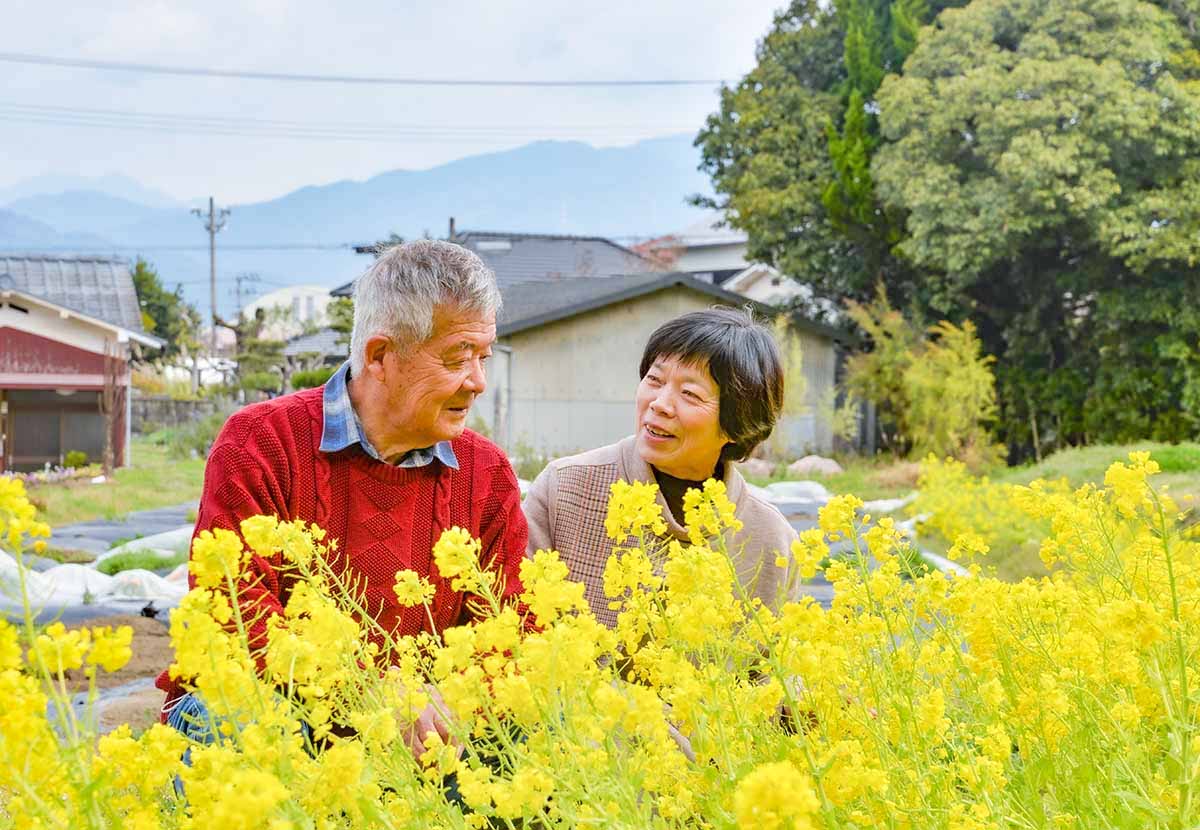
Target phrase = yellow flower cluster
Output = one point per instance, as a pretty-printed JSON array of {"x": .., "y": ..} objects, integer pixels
[
  {"x": 975, "y": 515},
  {"x": 913, "y": 701}
]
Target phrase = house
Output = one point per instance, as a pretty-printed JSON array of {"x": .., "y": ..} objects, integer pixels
[
  {"x": 566, "y": 368},
  {"x": 290, "y": 310},
  {"x": 711, "y": 251},
  {"x": 325, "y": 347},
  {"x": 67, "y": 324},
  {"x": 571, "y": 334},
  {"x": 542, "y": 257}
]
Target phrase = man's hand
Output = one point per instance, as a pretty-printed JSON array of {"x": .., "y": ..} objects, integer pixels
[{"x": 436, "y": 718}]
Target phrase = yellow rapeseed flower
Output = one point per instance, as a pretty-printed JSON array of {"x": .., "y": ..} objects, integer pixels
[
  {"x": 412, "y": 589},
  {"x": 775, "y": 796},
  {"x": 633, "y": 510},
  {"x": 456, "y": 554}
]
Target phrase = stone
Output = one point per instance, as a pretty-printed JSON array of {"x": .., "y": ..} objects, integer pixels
[
  {"x": 756, "y": 467},
  {"x": 811, "y": 465},
  {"x": 798, "y": 491}
]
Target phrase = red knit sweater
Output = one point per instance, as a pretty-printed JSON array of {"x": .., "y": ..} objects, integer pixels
[{"x": 385, "y": 519}]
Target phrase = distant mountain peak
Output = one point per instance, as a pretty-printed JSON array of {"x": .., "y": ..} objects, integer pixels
[{"x": 116, "y": 185}]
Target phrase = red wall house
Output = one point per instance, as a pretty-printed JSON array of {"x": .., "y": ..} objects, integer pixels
[{"x": 55, "y": 361}]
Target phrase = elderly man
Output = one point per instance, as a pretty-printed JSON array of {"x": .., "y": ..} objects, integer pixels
[{"x": 380, "y": 457}]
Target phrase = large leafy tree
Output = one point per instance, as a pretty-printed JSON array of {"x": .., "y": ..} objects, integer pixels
[
  {"x": 165, "y": 314},
  {"x": 1030, "y": 165},
  {"x": 790, "y": 149},
  {"x": 1046, "y": 154}
]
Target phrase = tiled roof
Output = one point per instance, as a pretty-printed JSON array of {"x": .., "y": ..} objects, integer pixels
[
  {"x": 531, "y": 304},
  {"x": 323, "y": 342},
  {"x": 99, "y": 287},
  {"x": 517, "y": 257}
]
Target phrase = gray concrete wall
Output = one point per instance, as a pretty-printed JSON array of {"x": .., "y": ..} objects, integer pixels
[
  {"x": 574, "y": 381},
  {"x": 152, "y": 412}
]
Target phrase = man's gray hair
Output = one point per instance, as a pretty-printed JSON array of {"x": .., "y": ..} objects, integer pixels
[{"x": 396, "y": 296}]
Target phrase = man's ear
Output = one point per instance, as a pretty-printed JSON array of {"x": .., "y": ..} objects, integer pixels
[{"x": 376, "y": 350}]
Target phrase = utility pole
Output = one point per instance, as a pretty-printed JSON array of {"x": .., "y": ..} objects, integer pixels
[
  {"x": 247, "y": 277},
  {"x": 213, "y": 222}
]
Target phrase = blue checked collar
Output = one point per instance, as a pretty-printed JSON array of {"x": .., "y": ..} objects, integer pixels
[{"x": 342, "y": 428}]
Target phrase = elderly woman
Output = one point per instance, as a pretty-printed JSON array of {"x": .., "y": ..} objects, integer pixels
[{"x": 711, "y": 390}]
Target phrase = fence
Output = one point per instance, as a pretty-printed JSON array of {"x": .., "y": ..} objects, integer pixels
[{"x": 151, "y": 412}]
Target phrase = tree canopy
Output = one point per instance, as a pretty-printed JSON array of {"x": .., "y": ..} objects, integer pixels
[
  {"x": 1029, "y": 165},
  {"x": 165, "y": 314}
]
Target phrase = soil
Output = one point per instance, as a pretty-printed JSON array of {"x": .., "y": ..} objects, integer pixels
[{"x": 151, "y": 652}]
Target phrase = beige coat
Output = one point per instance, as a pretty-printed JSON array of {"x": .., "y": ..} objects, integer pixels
[{"x": 567, "y": 504}]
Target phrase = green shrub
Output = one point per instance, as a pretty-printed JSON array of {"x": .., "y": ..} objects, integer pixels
[
  {"x": 527, "y": 462},
  {"x": 308, "y": 378},
  {"x": 262, "y": 382},
  {"x": 75, "y": 459},
  {"x": 195, "y": 438}
]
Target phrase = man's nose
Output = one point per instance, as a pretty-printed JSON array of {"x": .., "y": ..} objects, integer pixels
[{"x": 476, "y": 381}]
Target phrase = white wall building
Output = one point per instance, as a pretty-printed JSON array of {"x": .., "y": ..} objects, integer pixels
[
  {"x": 716, "y": 253},
  {"x": 291, "y": 310}
]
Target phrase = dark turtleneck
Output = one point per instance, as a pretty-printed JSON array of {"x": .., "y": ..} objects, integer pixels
[{"x": 673, "y": 489}]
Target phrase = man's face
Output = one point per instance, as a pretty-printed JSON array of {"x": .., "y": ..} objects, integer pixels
[{"x": 432, "y": 385}]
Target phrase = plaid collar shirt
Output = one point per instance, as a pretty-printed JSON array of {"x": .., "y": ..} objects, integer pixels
[{"x": 342, "y": 428}]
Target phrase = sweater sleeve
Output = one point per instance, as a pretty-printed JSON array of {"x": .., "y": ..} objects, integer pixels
[
  {"x": 536, "y": 508},
  {"x": 503, "y": 533},
  {"x": 237, "y": 485}
]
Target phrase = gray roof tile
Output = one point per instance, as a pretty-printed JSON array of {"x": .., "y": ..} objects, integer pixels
[
  {"x": 319, "y": 342},
  {"x": 99, "y": 287},
  {"x": 517, "y": 257},
  {"x": 531, "y": 304}
]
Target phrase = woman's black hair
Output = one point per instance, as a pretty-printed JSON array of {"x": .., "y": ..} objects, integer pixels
[{"x": 743, "y": 360}]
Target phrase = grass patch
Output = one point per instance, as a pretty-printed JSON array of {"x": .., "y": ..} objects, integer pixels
[
  {"x": 153, "y": 479},
  {"x": 881, "y": 477},
  {"x": 141, "y": 558},
  {"x": 67, "y": 556}
]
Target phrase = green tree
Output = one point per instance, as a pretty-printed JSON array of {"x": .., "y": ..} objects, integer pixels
[
  {"x": 790, "y": 149},
  {"x": 1046, "y": 154},
  {"x": 878, "y": 375},
  {"x": 259, "y": 359},
  {"x": 165, "y": 314},
  {"x": 934, "y": 394},
  {"x": 340, "y": 313}
]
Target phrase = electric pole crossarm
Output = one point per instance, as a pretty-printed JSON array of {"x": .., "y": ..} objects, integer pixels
[{"x": 214, "y": 221}]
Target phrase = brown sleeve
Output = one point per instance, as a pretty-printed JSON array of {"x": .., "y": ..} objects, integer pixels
[{"x": 539, "y": 510}]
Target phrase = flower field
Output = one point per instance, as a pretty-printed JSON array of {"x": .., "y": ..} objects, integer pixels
[{"x": 915, "y": 701}]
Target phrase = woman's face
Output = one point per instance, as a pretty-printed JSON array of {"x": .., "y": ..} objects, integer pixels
[{"x": 678, "y": 419}]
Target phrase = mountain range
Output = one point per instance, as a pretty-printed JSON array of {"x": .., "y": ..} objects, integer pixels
[{"x": 304, "y": 237}]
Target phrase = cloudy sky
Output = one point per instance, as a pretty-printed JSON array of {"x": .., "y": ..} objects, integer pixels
[{"x": 246, "y": 140}]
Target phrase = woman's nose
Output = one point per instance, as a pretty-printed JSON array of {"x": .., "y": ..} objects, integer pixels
[{"x": 662, "y": 404}]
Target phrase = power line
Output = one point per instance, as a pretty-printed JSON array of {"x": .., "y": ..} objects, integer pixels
[
  {"x": 253, "y": 75},
  {"x": 230, "y": 128},
  {"x": 298, "y": 246},
  {"x": 342, "y": 127}
]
